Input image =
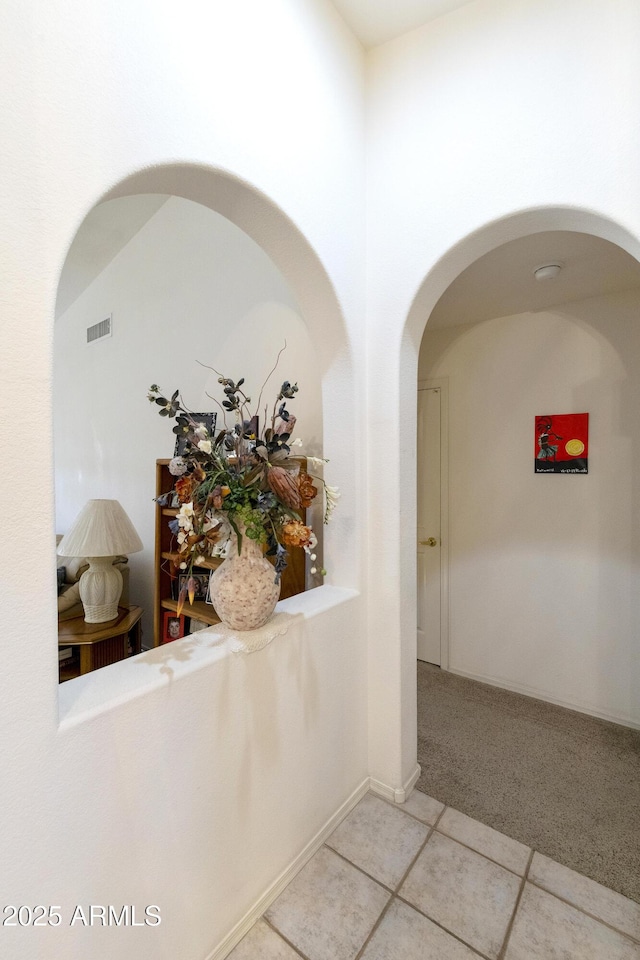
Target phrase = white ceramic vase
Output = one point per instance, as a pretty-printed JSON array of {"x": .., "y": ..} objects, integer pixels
[{"x": 243, "y": 588}]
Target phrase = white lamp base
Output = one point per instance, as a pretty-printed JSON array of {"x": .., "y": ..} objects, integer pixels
[{"x": 100, "y": 590}]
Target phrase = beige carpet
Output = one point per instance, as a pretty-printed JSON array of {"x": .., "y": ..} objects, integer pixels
[{"x": 559, "y": 781}]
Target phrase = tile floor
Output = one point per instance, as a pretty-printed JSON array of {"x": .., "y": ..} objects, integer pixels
[{"x": 424, "y": 882}]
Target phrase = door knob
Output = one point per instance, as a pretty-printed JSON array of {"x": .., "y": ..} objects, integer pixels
[{"x": 431, "y": 542}]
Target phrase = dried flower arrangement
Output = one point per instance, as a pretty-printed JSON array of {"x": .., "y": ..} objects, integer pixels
[{"x": 241, "y": 481}]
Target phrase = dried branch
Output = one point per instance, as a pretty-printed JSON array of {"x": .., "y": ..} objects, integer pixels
[{"x": 269, "y": 375}]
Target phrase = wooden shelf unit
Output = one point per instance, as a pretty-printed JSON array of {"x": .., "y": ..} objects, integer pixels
[
  {"x": 293, "y": 578},
  {"x": 198, "y": 609}
]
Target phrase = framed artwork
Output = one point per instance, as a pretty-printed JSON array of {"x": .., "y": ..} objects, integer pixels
[
  {"x": 209, "y": 420},
  {"x": 172, "y": 627},
  {"x": 202, "y": 584},
  {"x": 207, "y": 598},
  {"x": 562, "y": 443}
]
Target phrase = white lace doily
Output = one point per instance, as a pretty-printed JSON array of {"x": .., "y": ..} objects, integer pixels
[{"x": 248, "y": 641}]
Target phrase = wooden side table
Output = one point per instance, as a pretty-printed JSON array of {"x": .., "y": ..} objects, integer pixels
[{"x": 99, "y": 644}]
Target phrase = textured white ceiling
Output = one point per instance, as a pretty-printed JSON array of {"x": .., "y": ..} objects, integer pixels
[
  {"x": 376, "y": 21},
  {"x": 501, "y": 283}
]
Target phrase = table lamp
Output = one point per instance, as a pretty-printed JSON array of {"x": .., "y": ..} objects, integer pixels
[{"x": 101, "y": 531}]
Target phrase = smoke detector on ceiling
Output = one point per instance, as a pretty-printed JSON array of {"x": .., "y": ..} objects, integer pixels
[{"x": 548, "y": 271}]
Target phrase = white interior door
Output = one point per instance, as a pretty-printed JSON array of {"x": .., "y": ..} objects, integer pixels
[{"x": 429, "y": 525}]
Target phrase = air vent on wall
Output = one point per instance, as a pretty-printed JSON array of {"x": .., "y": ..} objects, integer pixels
[{"x": 99, "y": 330}]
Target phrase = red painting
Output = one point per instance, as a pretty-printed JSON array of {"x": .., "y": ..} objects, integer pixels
[{"x": 562, "y": 443}]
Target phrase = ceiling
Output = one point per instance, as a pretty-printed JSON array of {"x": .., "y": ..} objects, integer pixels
[
  {"x": 376, "y": 21},
  {"x": 501, "y": 283},
  {"x": 104, "y": 232}
]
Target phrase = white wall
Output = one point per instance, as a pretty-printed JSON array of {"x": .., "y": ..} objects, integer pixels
[
  {"x": 494, "y": 121},
  {"x": 189, "y": 783},
  {"x": 188, "y": 287},
  {"x": 543, "y": 569},
  {"x": 258, "y": 111}
]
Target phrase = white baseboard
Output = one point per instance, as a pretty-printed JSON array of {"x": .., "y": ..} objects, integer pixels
[
  {"x": 410, "y": 784},
  {"x": 390, "y": 793},
  {"x": 264, "y": 902},
  {"x": 287, "y": 875},
  {"x": 528, "y": 691}
]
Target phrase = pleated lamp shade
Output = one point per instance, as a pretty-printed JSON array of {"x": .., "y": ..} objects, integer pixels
[{"x": 101, "y": 531}]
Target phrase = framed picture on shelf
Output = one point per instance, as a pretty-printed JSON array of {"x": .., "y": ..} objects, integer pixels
[
  {"x": 173, "y": 627},
  {"x": 202, "y": 584},
  {"x": 208, "y": 419}
]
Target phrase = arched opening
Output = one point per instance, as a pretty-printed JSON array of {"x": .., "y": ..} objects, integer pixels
[
  {"x": 205, "y": 268},
  {"x": 538, "y": 586}
]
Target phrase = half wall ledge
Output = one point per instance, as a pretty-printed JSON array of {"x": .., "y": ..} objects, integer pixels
[{"x": 104, "y": 690}]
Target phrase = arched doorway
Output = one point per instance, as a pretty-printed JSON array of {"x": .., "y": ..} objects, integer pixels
[
  {"x": 529, "y": 345},
  {"x": 392, "y": 669},
  {"x": 438, "y": 279},
  {"x": 563, "y": 349}
]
